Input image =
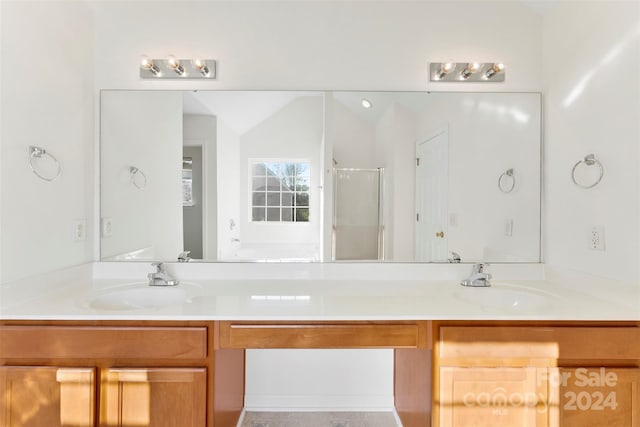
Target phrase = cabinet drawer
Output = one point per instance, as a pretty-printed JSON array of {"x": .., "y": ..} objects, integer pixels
[
  {"x": 537, "y": 346},
  {"x": 112, "y": 342},
  {"x": 300, "y": 335}
]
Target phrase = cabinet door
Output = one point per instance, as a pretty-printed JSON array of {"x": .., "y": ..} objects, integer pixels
[
  {"x": 154, "y": 397},
  {"x": 595, "y": 397},
  {"x": 493, "y": 397},
  {"x": 46, "y": 396}
]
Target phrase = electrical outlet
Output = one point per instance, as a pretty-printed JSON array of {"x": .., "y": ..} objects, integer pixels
[
  {"x": 508, "y": 227},
  {"x": 596, "y": 238},
  {"x": 106, "y": 227},
  {"x": 79, "y": 230}
]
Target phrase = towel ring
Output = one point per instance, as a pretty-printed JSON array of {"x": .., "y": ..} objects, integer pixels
[
  {"x": 507, "y": 189},
  {"x": 39, "y": 152},
  {"x": 135, "y": 173},
  {"x": 589, "y": 160}
]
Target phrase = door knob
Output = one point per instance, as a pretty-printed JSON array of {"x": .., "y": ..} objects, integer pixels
[{"x": 440, "y": 234}]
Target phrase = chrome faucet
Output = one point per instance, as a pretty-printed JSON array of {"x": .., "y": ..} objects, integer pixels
[
  {"x": 455, "y": 258},
  {"x": 160, "y": 277},
  {"x": 479, "y": 277},
  {"x": 184, "y": 256}
]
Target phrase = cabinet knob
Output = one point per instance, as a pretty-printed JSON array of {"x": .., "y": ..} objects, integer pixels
[{"x": 440, "y": 234}]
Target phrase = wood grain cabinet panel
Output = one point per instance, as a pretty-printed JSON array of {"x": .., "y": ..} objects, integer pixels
[
  {"x": 478, "y": 364},
  {"x": 46, "y": 396},
  {"x": 536, "y": 346},
  {"x": 493, "y": 397},
  {"x": 596, "y": 397},
  {"x": 154, "y": 397},
  {"x": 300, "y": 335},
  {"x": 73, "y": 342}
]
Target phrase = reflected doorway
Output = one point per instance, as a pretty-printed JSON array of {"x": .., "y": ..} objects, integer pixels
[
  {"x": 432, "y": 192},
  {"x": 192, "y": 201}
]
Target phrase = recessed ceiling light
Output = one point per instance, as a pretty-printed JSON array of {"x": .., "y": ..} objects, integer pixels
[{"x": 366, "y": 103}]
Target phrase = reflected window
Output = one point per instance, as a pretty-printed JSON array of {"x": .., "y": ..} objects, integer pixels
[{"x": 280, "y": 191}]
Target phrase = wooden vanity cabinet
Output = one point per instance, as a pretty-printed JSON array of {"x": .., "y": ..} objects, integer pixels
[
  {"x": 596, "y": 396},
  {"x": 191, "y": 374},
  {"x": 35, "y": 396},
  {"x": 116, "y": 374},
  {"x": 537, "y": 375},
  {"x": 154, "y": 397}
]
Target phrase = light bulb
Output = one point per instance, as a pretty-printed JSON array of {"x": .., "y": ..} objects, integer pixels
[
  {"x": 201, "y": 66},
  {"x": 495, "y": 68},
  {"x": 366, "y": 103},
  {"x": 198, "y": 63},
  {"x": 471, "y": 68},
  {"x": 445, "y": 68},
  {"x": 148, "y": 65},
  {"x": 174, "y": 64}
]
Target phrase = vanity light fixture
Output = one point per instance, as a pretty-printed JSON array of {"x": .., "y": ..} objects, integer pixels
[
  {"x": 495, "y": 68},
  {"x": 366, "y": 103},
  {"x": 174, "y": 64},
  {"x": 471, "y": 68},
  {"x": 467, "y": 72},
  {"x": 176, "y": 68}
]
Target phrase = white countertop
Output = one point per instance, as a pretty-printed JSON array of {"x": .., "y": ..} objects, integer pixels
[{"x": 249, "y": 292}]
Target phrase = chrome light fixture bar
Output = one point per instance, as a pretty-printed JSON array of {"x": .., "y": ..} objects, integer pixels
[
  {"x": 175, "y": 68},
  {"x": 477, "y": 72}
]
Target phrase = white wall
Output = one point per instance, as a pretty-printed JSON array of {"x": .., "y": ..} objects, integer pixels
[
  {"x": 328, "y": 379},
  {"x": 592, "y": 105},
  {"x": 294, "y": 132},
  {"x": 144, "y": 130},
  {"x": 396, "y": 152},
  {"x": 351, "y": 141},
  {"x": 317, "y": 44},
  {"x": 481, "y": 125},
  {"x": 385, "y": 140},
  {"x": 47, "y": 87},
  {"x": 352, "y": 138},
  {"x": 202, "y": 130},
  {"x": 228, "y": 171}
]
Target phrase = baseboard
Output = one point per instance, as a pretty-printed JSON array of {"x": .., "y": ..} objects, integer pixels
[
  {"x": 315, "y": 403},
  {"x": 393, "y": 410}
]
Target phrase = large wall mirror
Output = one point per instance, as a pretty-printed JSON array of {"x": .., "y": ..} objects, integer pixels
[{"x": 320, "y": 176}]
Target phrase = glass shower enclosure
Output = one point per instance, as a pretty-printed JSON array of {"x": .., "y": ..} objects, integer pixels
[{"x": 358, "y": 227}]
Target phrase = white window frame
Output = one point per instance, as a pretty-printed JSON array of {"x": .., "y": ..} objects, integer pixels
[{"x": 251, "y": 163}]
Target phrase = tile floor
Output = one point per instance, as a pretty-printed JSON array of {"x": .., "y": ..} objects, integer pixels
[{"x": 319, "y": 419}]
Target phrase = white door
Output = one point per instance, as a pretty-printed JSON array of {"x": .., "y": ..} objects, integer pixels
[{"x": 432, "y": 184}]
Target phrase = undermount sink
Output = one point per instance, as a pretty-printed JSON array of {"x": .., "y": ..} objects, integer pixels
[
  {"x": 507, "y": 297},
  {"x": 141, "y": 295}
]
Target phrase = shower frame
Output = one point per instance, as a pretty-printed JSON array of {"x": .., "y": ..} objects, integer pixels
[{"x": 381, "y": 227}]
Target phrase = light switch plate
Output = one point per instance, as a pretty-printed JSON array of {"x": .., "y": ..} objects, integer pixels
[
  {"x": 508, "y": 227},
  {"x": 79, "y": 230},
  {"x": 596, "y": 240},
  {"x": 106, "y": 227}
]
